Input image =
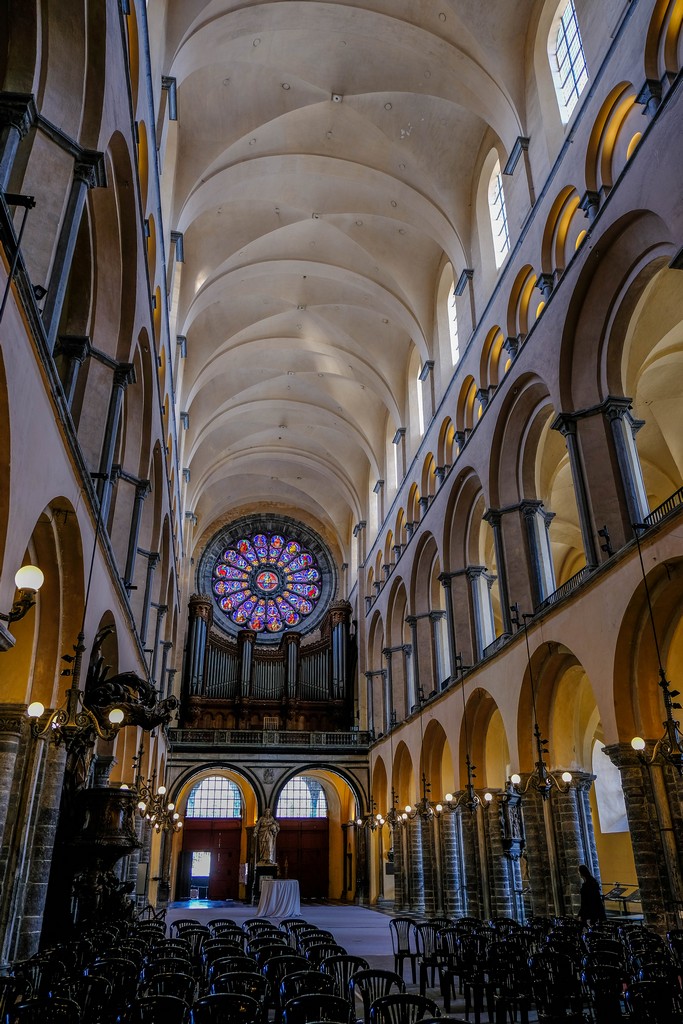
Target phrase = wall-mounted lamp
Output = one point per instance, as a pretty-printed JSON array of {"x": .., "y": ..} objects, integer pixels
[
  {"x": 28, "y": 580},
  {"x": 73, "y": 720},
  {"x": 670, "y": 746}
]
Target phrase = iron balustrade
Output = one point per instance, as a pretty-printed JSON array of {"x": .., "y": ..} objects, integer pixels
[
  {"x": 267, "y": 738},
  {"x": 496, "y": 645},
  {"x": 571, "y": 584},
  {"x": 660, "y": 513}
]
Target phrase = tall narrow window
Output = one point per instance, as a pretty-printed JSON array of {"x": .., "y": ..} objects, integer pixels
[
  {"x": 420, "y": 404},
  {"x": 567, "y": 60},
  {"x": 453, "y": 326},
  {"x": 499, "y": 217}
]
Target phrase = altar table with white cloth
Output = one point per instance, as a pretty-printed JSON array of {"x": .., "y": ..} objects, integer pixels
[{"x": 279, "y": 898}]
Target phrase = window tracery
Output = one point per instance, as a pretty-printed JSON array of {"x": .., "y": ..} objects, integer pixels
[
  {"x": 266, "y": 582},
  {"x": 567, "y": 60}
]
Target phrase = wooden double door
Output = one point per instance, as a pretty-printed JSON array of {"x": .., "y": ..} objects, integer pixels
[
  {"x": 221, "y": 837},
  {"x": 303, "y": 853}
]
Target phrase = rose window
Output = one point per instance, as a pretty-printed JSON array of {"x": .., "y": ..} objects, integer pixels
[{"x": 266, "y": 582}]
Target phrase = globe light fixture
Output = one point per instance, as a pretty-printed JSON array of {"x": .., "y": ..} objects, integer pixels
[{"x": 28, "y": 581}]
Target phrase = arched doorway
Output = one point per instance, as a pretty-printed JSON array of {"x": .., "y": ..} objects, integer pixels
[
  {"x": 210, "y": 857},
  {"x": 304, "y": 841}
]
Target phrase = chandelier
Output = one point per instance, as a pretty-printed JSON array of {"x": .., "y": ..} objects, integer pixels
[
  {"x": 152, "y": 803},
  {"x": 541, "y": 778}
]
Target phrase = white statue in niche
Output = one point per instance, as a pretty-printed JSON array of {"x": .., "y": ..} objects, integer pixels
[{"x": 265, "y": 834}]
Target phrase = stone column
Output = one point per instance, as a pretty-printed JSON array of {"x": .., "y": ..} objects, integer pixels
[
  {"x": 359, "y": 534},
  {"x": 501, "y": 877},
  {"x": 415, "y": 873},
  {"x": 445, "y": 581},
  {"x": 153, "y": 559},
  {"x": 472, "y": 881},
  {"x": 397, "y": 845},
  {"x": 124, "y": 375},
  {"x": 413, "y": 680},
  {"x": 480, "y": 583},
  {"x": 17, "y": 115},
  {"x": 441, "y": 677},
  {"x": 430, "y": 873},
  {"x": 42, "y": 847},
  {"x": 653, "y": 805},
  {"x": 166, "y": 648},
  {"x": 142, "y": 489},
  {"x": 388, "y": 688},
  {"x": 494, "y": 519},
  {"x": 161, "y": 610},
  {"x": 624, "y": 430},
  {"x": 199, "y": 620},
  {"x": 566, "y": 425},
  {"x": 559, "y": 837},
  {"x": 74, "y": 350},
  {"x": 537, "y": 522},
  {"x": 370, "y": 702},
  {"x": 13, "y": 721},
  {"x": 88, "y": 173},
  {"x": 608, "y": 496},
  {"x": 362, "y": 867},
  {"x": 451, "y": 864}
]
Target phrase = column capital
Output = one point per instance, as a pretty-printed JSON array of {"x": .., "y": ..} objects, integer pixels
[
  {"x": 18, "y": 111},
  {"x": 624, "y": 756},
  {"x": 545, "y": 284},
  {"x": 565, "y": 424},
  {"x": 124, "y": 374},
  {"x": 13, "y": 718},
  {"x": 410, "y": 620},
  {"x": 616, "y": 408},
  {"x": 531, "y": 507},
  {"x": 291, "y": 639},
  {"x": 436, "y": 615},
  {"x": 359, "y": 526},
  {"x": 142, "y": 489},
  {"x": 246, "y": 636},
  {"x": 153, "y": 559},
  {"x": 492, "y": 516},
  {"x": 89, "y": 168},
  {"x": 73, "y": 346}
]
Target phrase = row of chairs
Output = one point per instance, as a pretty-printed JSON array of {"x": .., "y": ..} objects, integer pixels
[
  {"x": 552, "y": 965},
  {"x": 295, "y": 973}
]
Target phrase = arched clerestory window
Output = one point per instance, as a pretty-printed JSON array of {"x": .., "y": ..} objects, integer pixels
[
  {"x": 215, "y": 797},
  {"x": 567, "y": 59},
  {"x": 499, "y": 217},
  {"x": 302, "y": 797}
]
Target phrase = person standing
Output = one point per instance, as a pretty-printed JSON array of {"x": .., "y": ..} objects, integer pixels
[{"x": 592, "y": 910}]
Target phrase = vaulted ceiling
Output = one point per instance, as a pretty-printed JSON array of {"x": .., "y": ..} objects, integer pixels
[{"x": 323, "y": 169}]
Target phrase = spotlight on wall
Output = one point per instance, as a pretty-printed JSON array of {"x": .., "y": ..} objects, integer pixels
[{"x": 28, "y": 580}]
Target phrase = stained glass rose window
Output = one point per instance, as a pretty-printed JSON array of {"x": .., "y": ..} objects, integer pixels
[{"x": 266, "y": 582}]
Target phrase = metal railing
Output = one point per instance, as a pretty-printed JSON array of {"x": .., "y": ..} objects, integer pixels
[
  {"x": 673, "y": 502},
  {"x": 496, "y": 645},
  {"x": 266, "y": 738},
  {"x": 571, "y": 584}
]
